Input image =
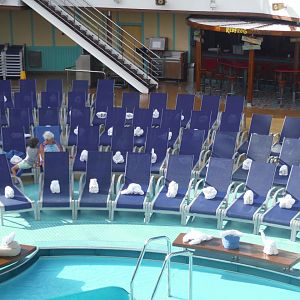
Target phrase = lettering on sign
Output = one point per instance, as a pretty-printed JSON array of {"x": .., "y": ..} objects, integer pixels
[{"x": 235, "y": 30}]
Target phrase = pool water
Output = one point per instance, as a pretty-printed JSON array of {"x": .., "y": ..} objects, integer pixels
[{"x": 53, "y": 277}]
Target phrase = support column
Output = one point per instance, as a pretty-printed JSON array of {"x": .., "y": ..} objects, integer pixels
[
  {"x": 249, "y": 96},
  {"x": 198, "y": 64}
]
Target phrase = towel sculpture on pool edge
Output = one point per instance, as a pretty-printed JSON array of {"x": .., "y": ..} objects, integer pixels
[
  {"x": 153, "y": 156},
  {"x": 172, "y": 189},
  {"x": 138, "y": 131},
  {"x": 286, "y": 202},
  {"x": 55, "y": 187},
  {"x": 9, "y": 192},
  {"x": 118, "y": 158},
  {"x": 133, "y": 189},
  {"x": 9, "y": 247},
  {"x": 84, "y": 155},
  {"x": 101, "y": 114},
  {"x": 270, "y": 247},
  {"x": 155, "y": 114},
  {"x": 195, "y": 237},
  {"x": 248, "y": 197},
  {"x": 284, "y": 171},
  {"x": 247, "y": 164},
  {"x": 93, "y": 186},
  {"x": 209, "y": 192},
  {"x": 15, "y": 159}
]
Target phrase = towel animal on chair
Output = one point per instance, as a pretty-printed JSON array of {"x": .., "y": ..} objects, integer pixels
[
  {"x": 133, "y": 189},
  {"x": 118, "y": 158},
  {"x": 172, "y": 189},
  {"x": 9, "y": 192},
  {"x": 93, "y": 186},
  {"x": 9, "y": 247},
  {"x": 195, "y": 237},
  {"x": 55, "y": 187},
  {"x": 270, "y": 247}
]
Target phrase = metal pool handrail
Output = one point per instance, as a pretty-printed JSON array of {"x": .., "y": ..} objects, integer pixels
[{"x": 142, "y": 256}]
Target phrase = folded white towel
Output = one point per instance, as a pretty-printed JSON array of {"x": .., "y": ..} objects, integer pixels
[
  {"x": 13, "y": 249},
  {"x": 286, "y": 202},
  {"x": 182, "y": 117},
  {"x": 76, "y": 130},
  {"x": 27, "y": 135},
  {"x": 101, "y": 114},
  {"x": 138, "y": 131},
  {"x": 155, "y": 114},
  {"x": 195, "y": 237},
  {"x": 118, "y": 158},
  {"x": 5, "y": 99},
  {"x": 153, "y": 156},
  {"x": 172, "y": 189},
  {"x": 133, "y": 189},
  {"x": 270, "y": 247},
  {"x": 129, "y": 116},
  {"x": 231, "y": 232},
  {"x": 55, "y": 187},
  {"x": 84, "y": 155},
  {"x": 283, "y": 170},
  {"x": 209, "y": 192},
  {"x": 6, "y": 240},
  {"x": 247, "y": 164},
  {"x": 169, "y": 136},
  {"x": 248, "y": 197},
  {"x": 110, "y": 131},
  {"x": 9, "y": 192},
  {"x": 93, "y": 186},
  {"x": 15, "y": 159}
]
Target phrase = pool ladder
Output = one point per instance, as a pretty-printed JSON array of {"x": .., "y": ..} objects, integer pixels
[{"x": 166, "y": 264}]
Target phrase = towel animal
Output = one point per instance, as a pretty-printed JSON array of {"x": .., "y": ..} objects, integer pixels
[
  {"x": 9, "y": 192},
  {"x": 195, "y": 237},
  {"x": 231, "y": 232},
  {"x": 155, "y": 114},
  {"x": 84, "y": 155},
  {"x": 286, "y": 202},
  {"x": 76, "y": 130},
  {"x": 138, "y": 131},
  {"x": 93, "y": 186},
  {"x": 247, "y": 164},
  {"x": 169, "y": 136},
  {"x": 209, "y": 192},
  {"x": 9, "y": 247},
  {"x": 101, "y": 114},
  {"x": 133, "y": 189},
  {"x": 270, "y": 247},
  {"x": 129, "y": 116},
  {"x": 248, "y": 197},
  {"x": 182, "y": 117},
  {"x": 55, "y": 187},
  {"x": 118, "y": 158},
  {"x": 110, "y": 131},
  {"x": 172, "y": 189},
  {"x": 153, "y": 156},
  {"x": 283, "y": 170},
  {"x": 15, "y": 159}
]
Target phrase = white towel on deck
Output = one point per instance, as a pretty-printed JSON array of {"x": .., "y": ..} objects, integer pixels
[
  {"x": 118, "y": 158},
  {"x": 247, "y": 164},
  {"x": 209, "y": 192},
  {"x": 155, "y": 114},
  {"x": 248, "y": 197},
  {"x": 286, "y": 202},
  {"x": 133, "y": 189},
  {"x": 195, "y": 237},
  {"x": 15, "y": 159},
  {"x": 153, "y": 156},
  {"x": 76, "y": 130},
  {"x": 55, "y": 187},
  {"x": 129, "y": 116},
  {"x": 172, "y": 189},
  {"x": 84, "y": 155},
  {"x": 138, "y": 131},
  {"x": 93, "y": 186},
  {"x": 101, "y": 114},
  {"x": 9, "y": 192},
  {"x": 6, "y": 240},
  {"x": 110, "y": 131},
  {"x": 283, "y": 170}
]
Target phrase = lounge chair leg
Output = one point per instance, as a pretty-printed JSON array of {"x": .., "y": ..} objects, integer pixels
[
  {"x": 111, "y": 214},
  {"x": 293, "y": 235}
]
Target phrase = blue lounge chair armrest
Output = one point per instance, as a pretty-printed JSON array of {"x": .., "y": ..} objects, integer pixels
[
  {"x": 192, "y": 184},
  {"x": 120, "y": 182},
  {"x": 41, "y": 187},
  {"x": 151, "y": 190},
  {"x": 35, "y": 116},
  {"x": 160, "y": 182},
  {"x": 112, "y": 191},
  {"x": 276, "y": 137},
  {"x": 206, "y": 157},
  {"x": 267, "y": 200},
  {"x": 71, "y": 187},
  {"x": 273, "y": 200},
  {"x": 240, "y": 159},
  {"x": 243, "y": 136},
  {"x": 73, "y": 152},
  {"x": 67, "y": 131},
  {"x": 81, "y": 185},
  {"x": 197, "y": 189},
  {"x": 238, "y": 189},
  {"x": 18, "y": 179}
]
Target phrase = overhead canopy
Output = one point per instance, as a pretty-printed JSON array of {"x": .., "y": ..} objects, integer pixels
[{"x": 252, "y": 27}]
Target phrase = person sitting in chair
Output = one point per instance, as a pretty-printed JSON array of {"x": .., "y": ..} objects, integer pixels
[{"x": 49, "y": 145}]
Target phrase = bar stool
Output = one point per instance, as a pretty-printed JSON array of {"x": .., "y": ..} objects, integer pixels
[{"x": 281, "y": 85}]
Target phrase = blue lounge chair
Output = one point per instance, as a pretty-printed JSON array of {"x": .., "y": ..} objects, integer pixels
[
  {"x": 259, "y": 181},
  {"x": 179, "y": 170},
  {"x": 185, "y": 104},
  {"x": 285, "y": 218},
  {"x": 80, "y": 86},
  {"x": 130, "y": 100},
  {"x": 22, "y": 100},
  {"x": 259, "y": 150},
  {"x": 77, "y": 99},
  {"x": 28, "y": 87},
  {"x": 211, "y": 104},
  {"x": 201, "y": 120},
  {"x": 56, "y": 167},
  {"x": 13, "y": 139},
  {"x": 98, "y": 167},
  {"x": 55, "y": 86},
  {"x": 289, "y": 156},
  {"x": 235, "y": 104},
  {"x": 51, "y": 100},
  {"x": 105, "y": 92},
  {"x": 5, "y": 90},
  {"x": 20, "y": 118},
  {"x": 158, "y": 101},
  {"x": 137, "y": 171},
  {"x": 19, "y": 203},
  {"x": 38, "y": 132},
  {"x": 218, "y": 176},
  {"x": 48, "y": 116},
  {"x": 230, "y": 122}
]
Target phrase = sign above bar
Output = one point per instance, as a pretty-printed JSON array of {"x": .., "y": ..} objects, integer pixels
[
  {"x": 252, "y": 40},
  {"x": 248, "y": 46}
]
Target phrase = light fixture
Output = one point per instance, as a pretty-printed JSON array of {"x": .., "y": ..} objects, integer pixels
[
  {"x": 278, "y": 6},
  {"x": 118, "y": 1},
  {"x": 213, "y": 4},
  {"x": 160, "y": 2}
]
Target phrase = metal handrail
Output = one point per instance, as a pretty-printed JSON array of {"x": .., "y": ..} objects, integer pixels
[
  {"x": 163, "y": 237},
  {"x": 167, "y": 262}
]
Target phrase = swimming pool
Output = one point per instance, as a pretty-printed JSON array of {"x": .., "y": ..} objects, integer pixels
[{"x": 54, "y": 277}]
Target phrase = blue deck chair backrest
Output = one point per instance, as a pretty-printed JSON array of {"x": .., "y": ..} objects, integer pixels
[
  {"x": 185, "y": 103},
  {"x": 211, "y": 104},
  {"x": 293, "y": 186},
  {"x": 260, "y": 177},
  {"x": 88, "y": 138},
  {"x": 13, "y": 139},
  {"x": 28, "y": 86},
  {"x": 131, "y": 100},
  {"x": 40, "y": 130},
  {"x": 5, "y": 90},
  {"x": 224, "y": 145},
  {"x": 105, "y": 86},
  {"x": 260, "y": 124},
  {"x": 48, "y": 116},
  {"x": 20, "y": 118},
  {"x": 76, "y": 99},
  {"x": 122, "y": 139},
  {"x": 50, "y": 100},
  {"x": 201, "y": 120},
  {"x": 179, "y": 170},
  {"x": 191, "y": 143},
  {"x": 80, "y": 86},
  {"x": 157, "y": 139},
  {"x": 142, "y": 118},
  {"x": 99, "y": 166},
  {"x": 5, "y": 178},
  {"x": 235, "y": 104},
  {"x": 230, "y": 122},
  {"x": 290, "y": 152},
  {"x": 171, "y": 119},
  {"x": 158, "y": 101},
  {"x": 56, "y": 167},
  {"x": 138, "y": 169},
  {"x": 23, "y": 100},
  {"x": 54, "y": 85},
  {"x": 259, "y": 147},
  {"x": 291, "y": 128},
  {"x": 80, "y": 118},
  {"x": 104, "y": 98},
  {"x": 115, "y": 117},
  {"x": 219, "y": 173}
]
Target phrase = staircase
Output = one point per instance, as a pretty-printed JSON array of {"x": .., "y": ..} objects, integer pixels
[{"x": 102, "y": 38}]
